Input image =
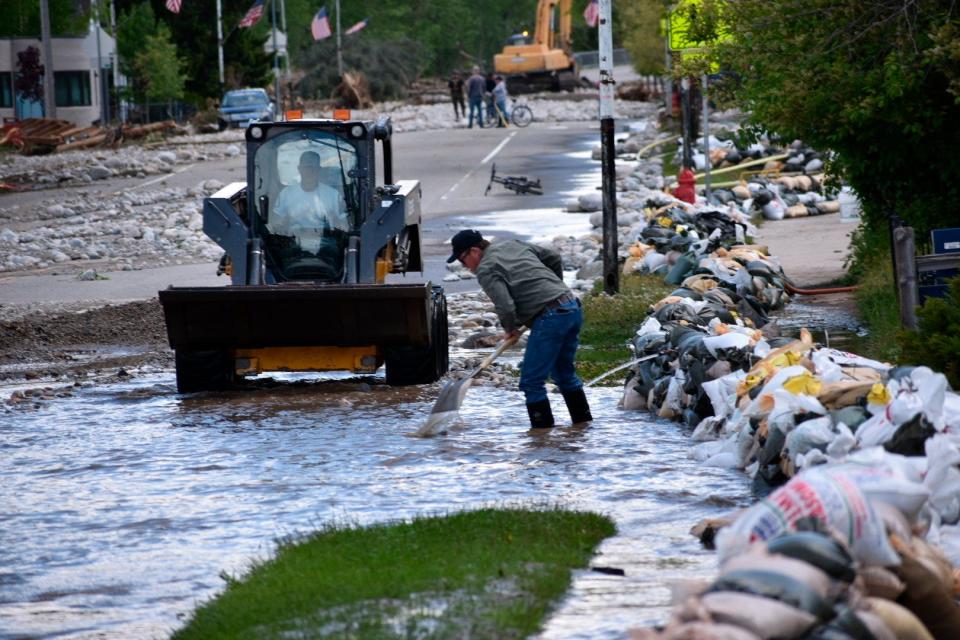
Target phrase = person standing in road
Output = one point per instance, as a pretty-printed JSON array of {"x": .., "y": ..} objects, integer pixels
[
  {"x": 476, "y": 87},
  {"x": 490, "y": 84},
  {"x": 525, "y": 283},
  {"x": 456, "y": 95},
  {"x": 500, "y": 97}
]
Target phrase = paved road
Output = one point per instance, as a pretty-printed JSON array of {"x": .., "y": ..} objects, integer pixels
[{"x": 453, "y": 166}]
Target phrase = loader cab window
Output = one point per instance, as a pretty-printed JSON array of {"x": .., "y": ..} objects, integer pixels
[{"x": 309, "y": 180}]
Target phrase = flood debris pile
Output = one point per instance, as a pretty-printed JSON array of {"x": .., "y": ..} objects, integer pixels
[{"x": 46, "y": 135}]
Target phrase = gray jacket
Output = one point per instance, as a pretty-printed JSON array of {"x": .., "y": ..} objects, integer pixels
[{"x": 521, "y": 279}]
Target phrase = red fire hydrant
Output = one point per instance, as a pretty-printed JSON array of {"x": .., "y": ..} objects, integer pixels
[{"x": 687, "y": 189}]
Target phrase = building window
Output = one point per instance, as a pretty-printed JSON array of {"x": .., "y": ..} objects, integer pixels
[
  {"x": 72, "y": 88},
  {"x": 6, "y": 90}
]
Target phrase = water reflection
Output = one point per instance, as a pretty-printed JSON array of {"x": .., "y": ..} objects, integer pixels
[{"x": 122, "y": 505}]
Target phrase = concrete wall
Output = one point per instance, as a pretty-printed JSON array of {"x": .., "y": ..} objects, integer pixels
[{"x": 69, "y": 54}]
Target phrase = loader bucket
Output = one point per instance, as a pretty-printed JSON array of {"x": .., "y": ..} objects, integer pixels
[{"x": 290, "y": 315}]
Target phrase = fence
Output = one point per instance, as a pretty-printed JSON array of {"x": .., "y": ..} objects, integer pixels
[{"x": 909, "y": 268}]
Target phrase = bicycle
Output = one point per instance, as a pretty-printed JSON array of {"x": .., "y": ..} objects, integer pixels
[{"x": 520, "y": 115}]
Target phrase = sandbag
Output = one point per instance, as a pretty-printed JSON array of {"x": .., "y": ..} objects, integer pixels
[
  {"x": 763, "y": 617},
  {"x": 901, "y": 621},
  {"x": 813, "y": 499},
  {"x": 925, "y": 596}
]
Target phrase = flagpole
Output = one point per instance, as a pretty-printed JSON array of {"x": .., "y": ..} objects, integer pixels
[
  {"x": 220, "y": 42},
  {"x": 611, "y": 272},
  {"x": 286, "y": 48},
  {"x": 276, "y": 62},
  {"x": 339, "y": 52}
]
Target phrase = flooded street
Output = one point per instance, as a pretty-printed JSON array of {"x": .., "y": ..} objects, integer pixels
[{"x": 124, "y": 504}]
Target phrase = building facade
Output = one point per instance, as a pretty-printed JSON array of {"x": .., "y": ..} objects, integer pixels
[{"x": 81, "y": 84}]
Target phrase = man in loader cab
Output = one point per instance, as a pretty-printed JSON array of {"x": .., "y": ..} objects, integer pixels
[
  {"x": 310, "y": 204},
  {"x": 525, "y": 283}
]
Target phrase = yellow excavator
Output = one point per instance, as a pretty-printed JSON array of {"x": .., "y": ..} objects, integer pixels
[{"x": 545, "y": 62}]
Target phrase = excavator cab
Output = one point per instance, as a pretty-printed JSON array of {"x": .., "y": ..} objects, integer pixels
[{"x": 309, "y": 239}]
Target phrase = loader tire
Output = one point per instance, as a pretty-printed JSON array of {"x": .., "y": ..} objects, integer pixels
[
  {"x": 204, "y": 370},
  {"x": 422, "y": 365}
]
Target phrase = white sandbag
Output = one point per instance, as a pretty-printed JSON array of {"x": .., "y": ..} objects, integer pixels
[
  {"x": 834, "y": 500},
  {"x": 731, "y": 340},
  {"x": 708, "y": 429},
  {"x": 826, "y": 369},
  {"x": 943, "y": 478},
  {"x": 810, "y": 434},
  {"x": 774, "y": 210},
  {"x": 722, "y": 392},
  {"x": 650, "y": 325},
  {"x": 653, "y": 260},
  {"x": 846, "y": 359}
]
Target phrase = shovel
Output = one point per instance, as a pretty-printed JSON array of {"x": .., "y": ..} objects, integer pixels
[{"x": 451, "y": 396}]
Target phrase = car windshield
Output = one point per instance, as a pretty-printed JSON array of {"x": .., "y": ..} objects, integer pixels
[
  {"x": 247, "y": 99},
  {"x": 309, "y": 180}
]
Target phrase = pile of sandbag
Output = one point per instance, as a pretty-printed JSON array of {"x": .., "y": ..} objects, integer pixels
[{"x": 843, "y": 551}]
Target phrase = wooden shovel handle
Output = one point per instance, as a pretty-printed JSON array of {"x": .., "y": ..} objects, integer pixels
[{"x": 507, "y": 342}]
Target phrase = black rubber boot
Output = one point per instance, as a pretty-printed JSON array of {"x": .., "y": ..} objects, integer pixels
[
  {"x": 577, "y": 406},
  {"x": 541, "y": 417}
]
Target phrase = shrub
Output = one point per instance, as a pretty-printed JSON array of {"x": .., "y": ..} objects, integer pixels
[{"x": 937, "y": 342}]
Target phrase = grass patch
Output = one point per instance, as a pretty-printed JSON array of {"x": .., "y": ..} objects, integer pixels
[
  {"x": 878, "y": 308},
  {"x": 610, "y": 321},
  {"x": 490, "y": 573}
]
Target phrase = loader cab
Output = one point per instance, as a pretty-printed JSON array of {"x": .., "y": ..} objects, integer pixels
[{"x": 306, "y": 194}]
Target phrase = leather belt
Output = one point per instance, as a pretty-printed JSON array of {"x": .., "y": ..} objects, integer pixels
[{"x": 562, "y": 300}]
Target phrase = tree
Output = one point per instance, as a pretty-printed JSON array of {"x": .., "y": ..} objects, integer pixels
[
  {"x": 22, "y": 18},
  {"x": 866, "y": 79},
  {"x": 160, "y": 68},
  {"x": 642, "y": 36},
  {"x": 134, "y": 26}
]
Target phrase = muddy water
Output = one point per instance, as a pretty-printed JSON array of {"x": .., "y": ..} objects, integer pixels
[{"x": 121, "y": 506}]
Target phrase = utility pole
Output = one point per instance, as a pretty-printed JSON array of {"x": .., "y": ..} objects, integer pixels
[
  {"x": 286, "y": 35},
  {"x": 49, "y": 89},
  {"x": 705, "y": 108},
  {"x": 115, "y": 63},
  {"x": 339, "y": 50},
  {"x": 611, "y": 266},
  {"x": 101, "y": 82},
  {"x": 220, "y": 42},
  {"x": 276, "y": 62}
]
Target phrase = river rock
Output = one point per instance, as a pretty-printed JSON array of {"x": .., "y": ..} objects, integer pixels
[
  {"x": 591, "y": 201},
  {"x": 232, "y": 150},
  {"x": 590, "y": 271},
  {"x": 98, "y": 172},
  {"x": 9, "y": 237},
  {"x": 168, "y": 157},
  {"x": 480, "y": 340}
]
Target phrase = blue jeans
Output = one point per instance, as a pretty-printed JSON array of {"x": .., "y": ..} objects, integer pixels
[
  {"x": 476, "y": 104},
  {"x": 553, "y": 342},
  {"x": 502, "y": 105}
]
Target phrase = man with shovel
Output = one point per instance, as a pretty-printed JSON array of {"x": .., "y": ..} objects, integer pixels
[{"x": 525, "y": 283}]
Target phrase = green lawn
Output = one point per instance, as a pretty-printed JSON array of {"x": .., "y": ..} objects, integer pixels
[
  {"x": 610, "y": 321},
  {"x": 490, "y": 573}
]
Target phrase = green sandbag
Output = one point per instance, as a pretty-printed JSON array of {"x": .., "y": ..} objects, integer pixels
[{"x": 682, "y": 269}]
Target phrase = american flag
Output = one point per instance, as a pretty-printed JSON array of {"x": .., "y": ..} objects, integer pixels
[
  {"x": 357, "y": 27},
  {"x": 320, "y": 26},
  {"x": 253, "y": 15},
  {"x": 592, "y": 13},
  {"x": 174, "y": 5}
]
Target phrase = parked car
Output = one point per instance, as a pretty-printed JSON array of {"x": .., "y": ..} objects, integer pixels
[{"x": 242, "y": 106}]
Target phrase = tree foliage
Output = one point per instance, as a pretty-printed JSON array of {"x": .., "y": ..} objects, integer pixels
[
  {"x": 134, "y": 26},
  {"x": 22, "y": 18},
  {"x": 159, "y": 67},
  {"x": 194, "y": 31},
  {"x": 867, "y": 79},
  {"x": 642, "y": 36}
]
